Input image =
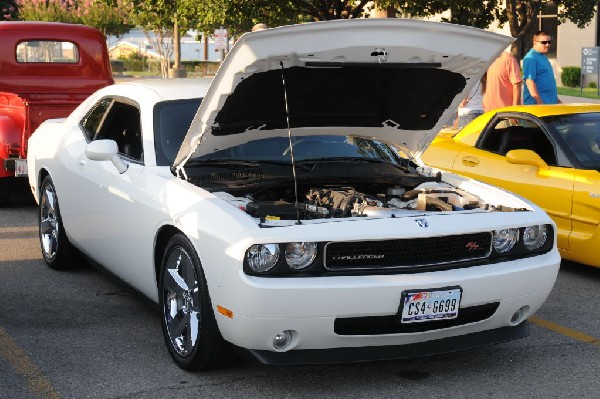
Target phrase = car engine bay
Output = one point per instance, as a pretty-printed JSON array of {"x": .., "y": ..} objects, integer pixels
[
  {"x": 374, "y": 199},
  {"x": 335, "y": 177}
]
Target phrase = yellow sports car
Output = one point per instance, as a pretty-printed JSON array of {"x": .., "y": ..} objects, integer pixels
[{"x": 549, "y": 154}]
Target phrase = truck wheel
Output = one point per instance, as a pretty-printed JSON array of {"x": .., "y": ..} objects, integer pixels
[
  {"x": 188, "y": 322},
  {"x": 56, "y": 248},
  {"x": 4, "y": 191}
]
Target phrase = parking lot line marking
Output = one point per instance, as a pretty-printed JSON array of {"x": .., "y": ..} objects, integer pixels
[
  {"x": 17, "y": 235},
  {"x": 23, "y": 229},
  {"x": 37, "y": 384},
  {"x": 566, "y": 331}
]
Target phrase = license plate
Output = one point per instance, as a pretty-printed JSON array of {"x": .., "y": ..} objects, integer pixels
[
  {"x": 20, "y": 167},
  {"x": 430, "y": 305}
]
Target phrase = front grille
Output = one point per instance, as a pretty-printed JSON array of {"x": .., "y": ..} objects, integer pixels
[
  {"x": 405, "y": 253},
  {"x": 377, "y": 325}
]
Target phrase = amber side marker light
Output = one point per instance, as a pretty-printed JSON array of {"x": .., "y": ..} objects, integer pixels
[{"x": 224, "y": 311}]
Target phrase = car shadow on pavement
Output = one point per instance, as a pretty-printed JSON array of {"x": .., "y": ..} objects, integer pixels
[
  {"x": 21, "y": 194},
  {"x": 589, "y": 272}
]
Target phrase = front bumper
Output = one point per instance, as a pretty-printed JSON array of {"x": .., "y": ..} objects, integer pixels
[
  {"x": 309, "y": 307},
  {"x": 374, "y": 353}
]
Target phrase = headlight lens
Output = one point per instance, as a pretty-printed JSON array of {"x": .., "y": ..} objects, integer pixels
[
  {"x": 535, "y": 236},
  {"x": 505, "y": 240},
  {"x": 262, "y": 257},
  {"x": 300, "y": 255}
]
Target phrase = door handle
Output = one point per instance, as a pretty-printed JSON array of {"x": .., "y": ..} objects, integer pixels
[{"x": 470, "y": 161}]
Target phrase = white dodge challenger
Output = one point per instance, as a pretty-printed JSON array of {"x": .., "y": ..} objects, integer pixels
[{"x": 282, "y": 210}]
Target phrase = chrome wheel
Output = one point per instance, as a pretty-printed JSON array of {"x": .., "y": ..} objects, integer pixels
[
  {"x": 181, "y": 301},
  {"x": 188, "y": 321},
  {"x": 49, "y": 222},
  {"x": 56, "y": 248}
]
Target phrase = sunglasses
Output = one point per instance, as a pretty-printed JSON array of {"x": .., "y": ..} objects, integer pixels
[{"x": 544, "y": 41}]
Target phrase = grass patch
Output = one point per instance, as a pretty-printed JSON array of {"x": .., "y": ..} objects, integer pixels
[{"x": 576, "y": 92}]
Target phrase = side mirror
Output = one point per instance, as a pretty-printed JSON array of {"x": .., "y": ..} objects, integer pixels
[
  {"x": 106, "y": 150},
  {"x": 526, "y": 157}
]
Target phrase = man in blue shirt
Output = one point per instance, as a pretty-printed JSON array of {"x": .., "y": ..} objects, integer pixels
[{"x": 540, "y": 84}]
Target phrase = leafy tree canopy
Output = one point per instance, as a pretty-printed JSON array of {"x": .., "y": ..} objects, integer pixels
[
  {"x": 109, "y": 16},
  {"x": 481, "y": 13},
  {"x": 521, "y": 15}
]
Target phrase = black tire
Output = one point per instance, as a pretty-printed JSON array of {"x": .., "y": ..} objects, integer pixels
[
  {"x": 57, "y": 251},
  {"x": 5, "y": 191},
  {"x": 188, "y": 322}
]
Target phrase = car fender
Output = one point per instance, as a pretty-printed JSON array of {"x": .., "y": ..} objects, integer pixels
[
  {"x": 216, "y": 229},
  {"x": 443, "y": 152}
]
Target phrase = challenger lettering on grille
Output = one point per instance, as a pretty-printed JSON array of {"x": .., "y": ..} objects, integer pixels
[
  {"x": 407, "y": 253},
  {"x": 358, "y": 257}
]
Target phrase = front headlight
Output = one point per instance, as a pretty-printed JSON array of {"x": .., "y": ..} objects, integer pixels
[
  {"x": 535, "y": 236},
  {"x": 262, "y": 257},
  {"x": 505, "y": 240},
  {"x": 300, "y": 255}
]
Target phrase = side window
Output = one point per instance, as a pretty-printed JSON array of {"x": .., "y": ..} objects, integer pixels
[
  {"x": 116, "y": 120},
  {"x": 48, "y": 51},
  {"x": 512, "y": 133},
  {"x": 172, "y": 120},
  {"x": 92, "y": 121}
]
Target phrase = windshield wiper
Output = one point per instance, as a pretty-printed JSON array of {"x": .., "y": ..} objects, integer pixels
[
  {"x": 344, "y": 159},
  {"x": 232, "y": 162},
  {"x": 221, "y": 162}
]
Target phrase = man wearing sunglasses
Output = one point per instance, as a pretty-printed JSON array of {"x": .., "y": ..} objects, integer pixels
[{"x": 540, "y": 84}]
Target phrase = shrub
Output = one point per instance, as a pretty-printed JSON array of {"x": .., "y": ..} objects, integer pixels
[
  {"x": 202, "y": 67},
  {"x": 135, "y": 62},
  {"x": 154, "y": 65},
  {"x": 118, "y": 66},
  {"x": 593, "y": 85},
  {"x": 571, "y": 76}
]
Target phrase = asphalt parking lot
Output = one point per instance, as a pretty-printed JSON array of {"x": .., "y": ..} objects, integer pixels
[{"x": 83, "y": 334}]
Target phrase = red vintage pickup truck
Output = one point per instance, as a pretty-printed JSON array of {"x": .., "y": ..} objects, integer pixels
[{"x": 47, "y": 69}]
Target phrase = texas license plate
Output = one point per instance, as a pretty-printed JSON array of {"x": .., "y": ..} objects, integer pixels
[
  {"x": 430, "y": 305},
  {"x": 20, "y": 167}
]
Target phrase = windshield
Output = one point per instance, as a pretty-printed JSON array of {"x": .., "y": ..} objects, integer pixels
[
  {"x": 580, "y": 134},
  {"x": 172, "y": 120},
  {"x": 308, "y": 148}
]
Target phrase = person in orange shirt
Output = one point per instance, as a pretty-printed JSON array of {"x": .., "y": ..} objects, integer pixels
[{"x": 503, "y": 86}]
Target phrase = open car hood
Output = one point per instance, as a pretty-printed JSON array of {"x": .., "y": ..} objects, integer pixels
[{"x": 396, "y": 80}]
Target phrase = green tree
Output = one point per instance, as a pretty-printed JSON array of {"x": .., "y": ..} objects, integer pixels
[
  {"x": 161, "y": 21},
  {"x": 8, "y": 10},
  {"x": 46, "y": 10},
  {"x": 324, "y": 10},
  {"x": 521, "y": 15},
  {"x": 239, "y": 16},
  {"x": 477, "y": 13},
  {"x": 109, "y": 16}
]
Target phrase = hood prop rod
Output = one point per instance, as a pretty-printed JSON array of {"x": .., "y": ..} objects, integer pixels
[{"x": 287, "y": 117}]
